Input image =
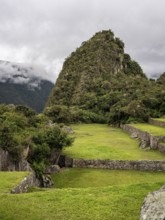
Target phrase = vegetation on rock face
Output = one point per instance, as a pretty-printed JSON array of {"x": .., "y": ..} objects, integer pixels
[
  {"x": 161, "y": 79},
  {"x": 99, "y": 78},
  {"x": 21, "y": 127}
]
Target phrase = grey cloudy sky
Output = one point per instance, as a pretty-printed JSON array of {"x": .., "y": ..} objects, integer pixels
[{"x": 45, "y": 32}]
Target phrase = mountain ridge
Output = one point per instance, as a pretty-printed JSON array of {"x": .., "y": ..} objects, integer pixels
[
  {"x": 99, "y": 78},
  {"x": 22, "y": 84}
]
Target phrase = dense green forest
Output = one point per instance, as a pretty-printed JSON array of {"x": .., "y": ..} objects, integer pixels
[
  {"x": 100, "y": 83},
  {"x": 22, "y": 128}
]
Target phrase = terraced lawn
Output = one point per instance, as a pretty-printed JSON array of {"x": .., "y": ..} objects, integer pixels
[
  {"x": 154, "y": 130},
  {"x": 112, "y": 202},
  {"x": 9, "y": 180},
  {"x": 83, "y": 178},
  {"x": 95, "y": 141},
  {"x": 85, "y": 194},
  {"x": 160, "y": 119}
]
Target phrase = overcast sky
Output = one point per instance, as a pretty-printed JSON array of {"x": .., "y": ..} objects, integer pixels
[{"x": 45, "y": 32}]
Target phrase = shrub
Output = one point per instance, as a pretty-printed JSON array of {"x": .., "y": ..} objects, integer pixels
[
  {"x": 43, "y": 143},
  {"x": 8, "y": 142},
  {"x": 74, "y": 114},
  {"x": 58, "y": 113}
]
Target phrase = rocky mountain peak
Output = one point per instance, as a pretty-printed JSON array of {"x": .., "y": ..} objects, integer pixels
[{"x": 92, "y": 65}]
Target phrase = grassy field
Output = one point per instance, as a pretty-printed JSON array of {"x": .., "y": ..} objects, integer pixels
[
  {"x": 152, "y": 129},
  {"x": 160, "y": 119},
  {"x": 85, "y": 194},
  {"x": 95, "y": 141},
  {"x": 118, "y": 202},
  {"x": 82, "y": 178},
  {"x": 8, "y": 180}
]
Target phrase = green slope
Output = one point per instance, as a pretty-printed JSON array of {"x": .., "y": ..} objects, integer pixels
[
  {"x": 95, "y": 141},
  {"x": 103, "y": 203}
]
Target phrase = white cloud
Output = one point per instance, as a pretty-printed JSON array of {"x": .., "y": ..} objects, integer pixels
[
  {"x": 21, "y": 74},
  {"x": 45, "y": 32}
]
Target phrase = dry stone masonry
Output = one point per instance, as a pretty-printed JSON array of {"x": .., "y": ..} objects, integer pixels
[
  {"x": 147, "y": 140},
  {"x": 156, "y": 122},
  {"x": 143, "y": 165}
]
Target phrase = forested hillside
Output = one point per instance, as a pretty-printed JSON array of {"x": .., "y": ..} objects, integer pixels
[
  {"x": 22, "y": 85},
  {"x": 100, "y": 83}
]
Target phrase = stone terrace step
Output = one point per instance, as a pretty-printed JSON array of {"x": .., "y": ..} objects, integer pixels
[
  {"x": 157, "y": 121},
  {"x": 143, "y": 165},
  {"x": 145, "y": 132}
]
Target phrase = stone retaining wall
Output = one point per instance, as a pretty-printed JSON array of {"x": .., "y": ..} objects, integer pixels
[
  {"x": 147, "y": 139},
  {"x": 161, "y": 147},
  {"x": 136, "y": 133},
  {"x": 143, "y": 165},
  {"x": 156, "y": 122},
  {"x": 6, "y": 163},
  {"x": 26, "y": 183}
]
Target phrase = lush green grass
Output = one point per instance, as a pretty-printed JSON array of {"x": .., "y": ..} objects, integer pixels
[
  {"x": 8, "y": 180},
  {"x": 103, "y": 203},
  {"x": 152, "y": 129},
  {"x": 159, "y": 119},
  {"x": 95, "y": 141},
  {"x": 77, "y": 177},
  {"x": 102, "y": 194}
]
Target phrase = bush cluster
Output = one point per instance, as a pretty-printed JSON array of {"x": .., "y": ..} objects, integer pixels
[
  {"x": 65, "y": 114},
  {"x": 22, "y": 127}
]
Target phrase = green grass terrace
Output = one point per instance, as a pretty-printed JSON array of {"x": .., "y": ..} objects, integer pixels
[
  {"x": 159, "y": 119},
  {"x": 114, "y": 195},
  {"x": 152, "y": 129},
  {"x": 95, "y": 141},
  {"x": 87, "y": 177}
]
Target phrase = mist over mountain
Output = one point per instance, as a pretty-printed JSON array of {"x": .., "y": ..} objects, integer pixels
[
  {"x": 21, "y": 73},
  {"x": 22, "y": 84}
]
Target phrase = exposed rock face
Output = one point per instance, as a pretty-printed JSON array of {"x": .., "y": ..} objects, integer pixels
[
  {"x": 47, "y": 181},
  {"x": 52, "y": 169},
  {"x": 154, "y": 206},
  {"x": 6, "y": 163},
  {"x": 26, "y": 183}
]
